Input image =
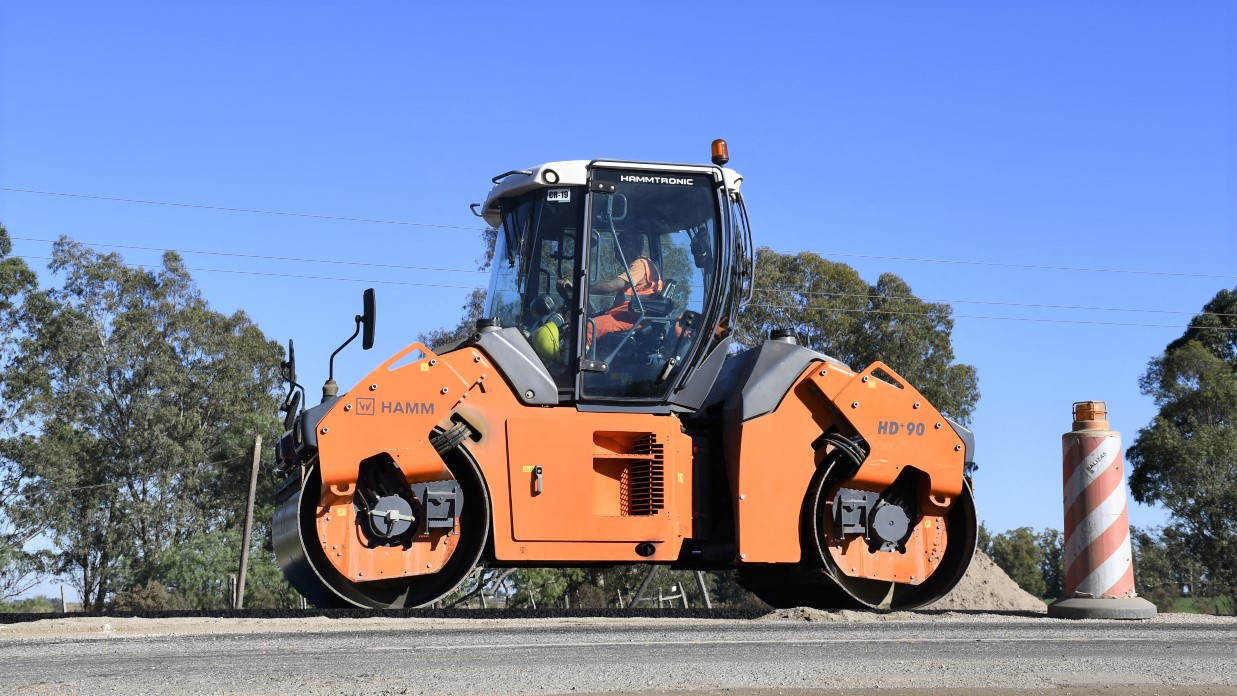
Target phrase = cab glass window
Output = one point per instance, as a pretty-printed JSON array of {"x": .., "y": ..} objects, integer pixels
[
  {"x": 651, "y": 265},
  {"x": 537, "y": 247}
]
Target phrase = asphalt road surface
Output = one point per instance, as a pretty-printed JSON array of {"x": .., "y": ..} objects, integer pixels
[{"x": 841, "y": 654}]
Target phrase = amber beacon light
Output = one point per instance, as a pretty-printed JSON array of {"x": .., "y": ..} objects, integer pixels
[{"x": 721, "y": 153}]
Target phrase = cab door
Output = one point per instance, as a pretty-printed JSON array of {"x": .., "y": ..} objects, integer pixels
[{"x": 658, "y": 224}]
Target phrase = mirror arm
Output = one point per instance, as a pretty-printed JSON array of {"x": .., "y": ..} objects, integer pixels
[
  {"x": 331, "y": 365},
  {"x": 292, "y": 387}
]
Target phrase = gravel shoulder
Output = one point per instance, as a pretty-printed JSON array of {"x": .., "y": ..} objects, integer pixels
[
  {"x": 86, "y": 628},
  {"x": 801, "y": 651},
  {"x": 988, "y": 637}
]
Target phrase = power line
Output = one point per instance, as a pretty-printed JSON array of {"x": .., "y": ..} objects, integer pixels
[
  {"x": 767, "y": 306},
  {"x": 410, "y": 283},
  {"x": 242, "y": 210},
  {"x": 347, "y": 280},
  {"x": 1035, "y": 319},
  {"x": 463, "y": 270},
  {"x": 1030, "y": 305},
  {"x": 288, "y": 275},
  {"x": 260, "y": 257},
  {"x": 996, "y": 264},
  {"x": 999, "y": 264}
]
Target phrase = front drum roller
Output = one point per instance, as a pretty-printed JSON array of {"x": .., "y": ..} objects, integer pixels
[
  {"x": 960, "y": 532},
  {"x": 818, "y": 581},
  {"x": 304, "y": 563}
]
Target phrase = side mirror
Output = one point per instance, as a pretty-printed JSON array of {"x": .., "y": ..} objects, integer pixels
[
  {"x": 364, "y": 320},
  {"x": 292, "y": 403},
  {"x": 289, "y": 365},
  {"x": 367, "y": 320}
]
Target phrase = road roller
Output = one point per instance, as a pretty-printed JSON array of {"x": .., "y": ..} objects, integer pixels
[{"x": 601, "y": 413}]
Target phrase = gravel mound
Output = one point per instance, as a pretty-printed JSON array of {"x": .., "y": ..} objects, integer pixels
[{"x": 987, "y": 588}]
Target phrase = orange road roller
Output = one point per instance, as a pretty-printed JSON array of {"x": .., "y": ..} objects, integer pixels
[{"x": 602, "y": 414}]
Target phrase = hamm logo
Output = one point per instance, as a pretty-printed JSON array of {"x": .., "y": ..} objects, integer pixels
[
  {"x": 364, "y": 407},
  {"x": 407, "y": 407}
]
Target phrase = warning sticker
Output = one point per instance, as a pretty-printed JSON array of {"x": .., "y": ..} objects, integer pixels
[{"x": 558, "y": 195}]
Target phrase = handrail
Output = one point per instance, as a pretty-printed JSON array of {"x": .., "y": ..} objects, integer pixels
[{"x": 504, "y": 175}]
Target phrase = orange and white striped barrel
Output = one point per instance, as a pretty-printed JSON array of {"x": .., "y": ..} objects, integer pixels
[{"x": 1099, "y": 565}]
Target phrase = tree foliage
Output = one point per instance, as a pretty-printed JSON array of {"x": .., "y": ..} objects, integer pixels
[
  {"x": 1018, "y": 553},
  {"x": 1159, "y": 571},
  {"x": 1186, "y": 458},
  {"x": 152, "y": 596},
  {"x": 1052, "y": 562},
  {"x": 20, "y": 568},
  {"x": 17, "y": 282},
  {"x": 1034, "y": 560},
  {"x": 198, "y": 571},
  {"x": 983, "y": 539},
  {"x": 617, "y": 587},
  {"x": 836, "y": 312},
  {"x": 31, "y": 605},
  {"x": 473, "y": 307},
  {"x": 142, "y": 403},
  {"x": 600, "y": 588}
]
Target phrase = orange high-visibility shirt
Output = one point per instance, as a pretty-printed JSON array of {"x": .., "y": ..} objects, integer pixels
[{"x": 647, "y": 278}]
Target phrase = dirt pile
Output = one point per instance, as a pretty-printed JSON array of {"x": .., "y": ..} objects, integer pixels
[{"x": 987, "y": 588}]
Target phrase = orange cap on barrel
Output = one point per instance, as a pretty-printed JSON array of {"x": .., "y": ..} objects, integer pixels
[{"x": 1090, "y": 415}]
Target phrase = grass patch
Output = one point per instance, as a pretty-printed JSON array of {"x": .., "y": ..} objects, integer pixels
[{"x": 1203, "y": 605}]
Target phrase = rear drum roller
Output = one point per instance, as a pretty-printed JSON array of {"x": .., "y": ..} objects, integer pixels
[{"x": 304, "y": 562}]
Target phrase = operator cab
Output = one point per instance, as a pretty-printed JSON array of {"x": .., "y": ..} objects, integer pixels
[{"x": 622, "y": 276}]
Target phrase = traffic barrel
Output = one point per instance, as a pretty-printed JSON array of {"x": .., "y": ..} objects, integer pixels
[{"x": 1099, "y": 566}]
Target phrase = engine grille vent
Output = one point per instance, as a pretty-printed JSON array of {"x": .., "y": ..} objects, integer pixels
[{"x": 647, "y": 478}]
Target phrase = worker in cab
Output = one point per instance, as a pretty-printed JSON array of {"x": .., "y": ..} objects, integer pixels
[{"x": 642, "y": 276}]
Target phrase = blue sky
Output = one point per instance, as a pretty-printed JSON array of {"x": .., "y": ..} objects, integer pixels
[{"x": 974, "y": 149}]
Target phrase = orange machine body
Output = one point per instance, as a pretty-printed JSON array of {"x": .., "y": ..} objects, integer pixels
[{"x": 568, "y": 485}]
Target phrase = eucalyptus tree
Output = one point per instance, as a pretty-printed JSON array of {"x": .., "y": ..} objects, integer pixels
[
  {"x": 1186, "y": 458},
  {"x": 143, "y": 402},
  {"x": 20, "y": 568},
  {"x": 835, "y": 311}
]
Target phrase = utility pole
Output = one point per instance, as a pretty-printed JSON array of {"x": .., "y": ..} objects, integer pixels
[
  {"x": 704, "y": 590},
  {"x": 253, "y": 490},
  {"x": 644, "y": 585}
]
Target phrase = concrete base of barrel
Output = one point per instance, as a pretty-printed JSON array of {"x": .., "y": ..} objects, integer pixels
[{"x": 1089, "y": 608}]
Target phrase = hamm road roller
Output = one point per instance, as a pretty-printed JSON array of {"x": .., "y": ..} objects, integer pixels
[{"x": 602, "y": 414}]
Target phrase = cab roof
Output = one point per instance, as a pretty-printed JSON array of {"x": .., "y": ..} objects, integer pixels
[{"x": 575, "y": 173}]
